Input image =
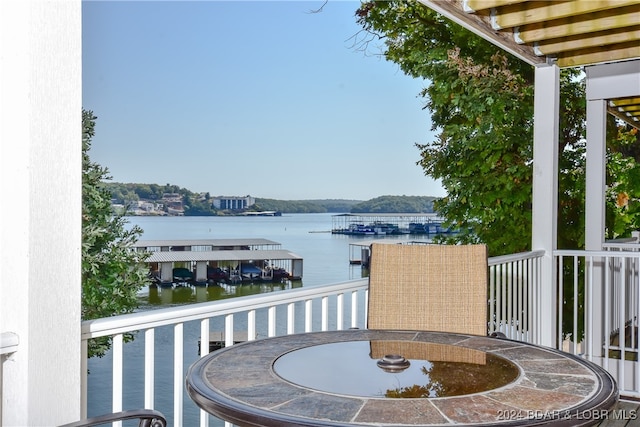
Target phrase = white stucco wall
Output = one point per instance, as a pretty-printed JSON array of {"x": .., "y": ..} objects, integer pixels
[{"x": 40, "y": 183}]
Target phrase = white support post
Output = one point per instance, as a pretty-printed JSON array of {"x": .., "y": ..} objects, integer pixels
[
  {"x": 595, "y": 174},
  {"x": 545, "y": 194},
  {"x": 603, "y": 82},
  {"x": 201, "y": 271},
  {"x": 40, "y": 223},
  {"x": 595, "y": 190}
]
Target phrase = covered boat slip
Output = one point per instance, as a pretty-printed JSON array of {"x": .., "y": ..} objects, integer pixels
[
  {"x": 205, "y": 244},
  {"x": 239, "y": 258}
]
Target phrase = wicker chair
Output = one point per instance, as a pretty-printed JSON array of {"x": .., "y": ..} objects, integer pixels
[
  {"x": 147, "y": 417},
  {"x": 428, "y": 288}
]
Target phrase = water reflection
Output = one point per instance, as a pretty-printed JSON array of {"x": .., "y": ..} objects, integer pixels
[{"x": 157, "y": 296}]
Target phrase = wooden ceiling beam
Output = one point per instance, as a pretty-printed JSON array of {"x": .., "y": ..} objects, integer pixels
[
  {"x": 632, "y": 121},
  {"x": 602, "y": 21},
  {"x": 478, "y": 5},
  {"x": 590, "y": 56},
  {"x": 544, "y": 11},
  {"x": 625, "y": 101},
  {"x": 608, "y": 32},
  {"x": 596, "y": 40}
]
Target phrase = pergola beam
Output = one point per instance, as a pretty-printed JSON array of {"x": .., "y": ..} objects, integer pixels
[
  {"x": 512, "y": 16},
  {"x": 480, "y": 25}
]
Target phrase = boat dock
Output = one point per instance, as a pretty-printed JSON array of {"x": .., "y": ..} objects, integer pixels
[
  {"x": 360, "y": 252},
  {"x": 382, "y": 224},
  {"x": 175, "y": 262},
  {"x": 217, "y": 339}
]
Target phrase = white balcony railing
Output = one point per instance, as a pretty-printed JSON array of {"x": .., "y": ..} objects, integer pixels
[
  {"x": 339, "y": 306},
  {"x": 598, "y": 314},
  {"x": 586, "y": 320}
]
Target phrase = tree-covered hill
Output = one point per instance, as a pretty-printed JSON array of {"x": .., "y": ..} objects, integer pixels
[
  {"x": 305, "y": 206},
  {"x": 396, "y": 204},
  {"x": 200, "y": 204}
]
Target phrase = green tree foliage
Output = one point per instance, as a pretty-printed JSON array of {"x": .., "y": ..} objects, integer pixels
[
  {"x": 396, "y": 204},
  {"x": 481, "y": 105},
  {"x": 198, "y": 204},
  {"x": 112, "y": 273},
  {"x": 287, "y": 206},
  {"x": 623, "y": 183}
]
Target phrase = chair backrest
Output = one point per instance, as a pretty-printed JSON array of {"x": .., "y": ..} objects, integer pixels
[{"x": 429, "y": 288}]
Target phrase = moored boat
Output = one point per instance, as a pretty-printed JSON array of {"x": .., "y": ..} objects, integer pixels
[
  {"x": 217, "y": 274},
  {"x": 182, "y": 275},
  {"x": 250, "y": 272}
]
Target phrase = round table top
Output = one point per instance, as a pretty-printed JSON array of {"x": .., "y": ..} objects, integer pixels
[{"x": 259, "y": 383}]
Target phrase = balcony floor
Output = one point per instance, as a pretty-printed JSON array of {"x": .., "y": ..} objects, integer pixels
[{"x": 628, "y": 415}]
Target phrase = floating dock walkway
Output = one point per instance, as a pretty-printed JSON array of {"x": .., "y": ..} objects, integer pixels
[
  {"x": 360, "y": 252},
  {"x": 382, "y": 224}
]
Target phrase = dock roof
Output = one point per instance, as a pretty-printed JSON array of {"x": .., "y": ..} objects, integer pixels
[
  {"x": 206, "y": 242},
  {"x": 239, "y": 255}
]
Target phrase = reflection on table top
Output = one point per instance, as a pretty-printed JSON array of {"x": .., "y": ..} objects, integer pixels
[
  {"x": 398, "y": 369},
  {"x": 293, "y": 380}
]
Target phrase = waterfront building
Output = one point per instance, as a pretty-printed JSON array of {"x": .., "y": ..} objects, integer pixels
[{"x": 233, "y": 203}]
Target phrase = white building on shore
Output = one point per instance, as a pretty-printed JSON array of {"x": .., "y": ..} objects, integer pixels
[{"x": 233, "y": 203}]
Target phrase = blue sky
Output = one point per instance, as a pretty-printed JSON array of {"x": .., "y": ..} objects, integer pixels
[{"x": 260, "y": 98}]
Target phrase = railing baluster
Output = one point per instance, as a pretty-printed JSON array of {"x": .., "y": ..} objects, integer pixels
[
  {"x": 519, "y": 276},
  {"x": 178, "y": 376},
  {"x": 308, "y": 315},
  {"x": 588, "y": 309},
  {"x": 118, "y": 369},
  {"x": 622, "y": 321},
  {"x": 325, "y": 313},
  {"x": 560, "y": 302},
  {"x": 354, "y": 309},
  {"x": 204, "y": 350},
  {"x": 84, "y": 371},
  {"x": 366, "y": 305},
  {"x": 271, "y": 322},
  {"x": 251, "y": 325},
  {"x": 291, "y": 318},
  {"x": 503, "y": 300},
  {"x": 574, "y": 334},
  {"x": 228, "y": 330},
  {"x": 493, "y": 326},
  {"x": 636, "y": 382},
  {"x": 607, "y": 311},
  {"x": 149, "y": 366},
  {"x": 340, "y": 311}
]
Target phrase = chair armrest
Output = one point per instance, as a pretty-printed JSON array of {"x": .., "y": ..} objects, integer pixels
[{"x": 147, "y": 417}]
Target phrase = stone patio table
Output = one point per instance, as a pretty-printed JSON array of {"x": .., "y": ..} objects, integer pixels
[{"x": 399, "y": 378}]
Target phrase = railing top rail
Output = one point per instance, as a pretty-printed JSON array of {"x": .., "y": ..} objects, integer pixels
[
  {"x": 503, "y": 259},
  {"x": 603, "y": 254},
  {"x": 169, "y": 316},
  {"x": 625, "y": 241},
  {"x": 621, "y": 245},
  {"x": 9, "y": 342}
]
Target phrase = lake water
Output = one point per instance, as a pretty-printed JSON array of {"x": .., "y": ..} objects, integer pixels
[{"x": 326, "y": 261}]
